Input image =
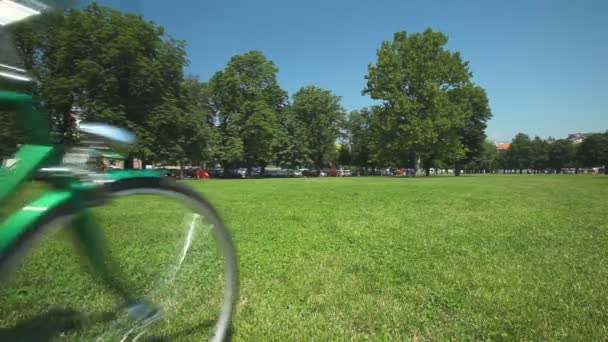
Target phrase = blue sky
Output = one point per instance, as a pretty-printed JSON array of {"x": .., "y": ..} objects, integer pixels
[{"x": 543, "y": 63}]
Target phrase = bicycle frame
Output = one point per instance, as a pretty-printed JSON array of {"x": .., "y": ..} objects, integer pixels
[{"x": 70, "y": 197}]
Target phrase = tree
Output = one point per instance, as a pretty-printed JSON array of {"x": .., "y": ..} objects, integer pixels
[
  {"x": 322, "y": 117},
  {"x": 118, "y": 68},
  {"x": 593, "y": 151},
  {"x": 291, "y": 150},
  {"x": 344, "y": 156},
  {"x": 361, "y": 137},
  {"x": 417, "y": 79},
  {"x": 472, "y": 133},
  {"x": 539, "y": 154},
  {"x": 487, "y": 158},
  {"x": 246, "y": 101},
  {"x": 504, "y": 160},
  {"x": 521, "y": 152},
  {"x": 560, "y": 153}
]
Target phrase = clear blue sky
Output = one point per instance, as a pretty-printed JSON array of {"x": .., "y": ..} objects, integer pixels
[{"x": 543, "y": 63}]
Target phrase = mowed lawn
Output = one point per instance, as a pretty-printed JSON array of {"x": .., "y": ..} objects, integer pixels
[
  {"x": 505, "y": 257},
  {"x": 470, "y": 258}
]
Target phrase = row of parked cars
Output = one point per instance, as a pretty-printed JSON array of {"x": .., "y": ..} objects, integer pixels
[{"x": 198, "y": 173}]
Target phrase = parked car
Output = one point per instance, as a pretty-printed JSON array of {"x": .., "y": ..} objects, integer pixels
[
  {"x": 216, "y": 173},
  {"x": 296, "y": 173},
  {"x": 276, "y": 173},
  {"x": 256, "y": 172},
  {"x": 202, "y": 173},
  {"x": 330, "y": 171},
  {"x": 189, "y": 173},
  {"x": 235, "y": 173},
  {"x": 309, "y": 173}
]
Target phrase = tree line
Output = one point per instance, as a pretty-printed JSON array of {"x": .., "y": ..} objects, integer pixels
[
  {"x": 551, "y": 154},
  {"x": 121, "y": 69}
]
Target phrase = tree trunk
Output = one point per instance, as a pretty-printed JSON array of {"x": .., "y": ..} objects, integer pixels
[
  {"x": 181, "y": 170},
  {"x": 226, "y": 167},
  {"x": 128, "y": 164},
  {"x": 143, "y": 164},
  {"x": 427, "y": 171},
  {"x": 263, "y": 169},
  {"x": 318, "y": 167},
  {"x": 605, "y": 169}
]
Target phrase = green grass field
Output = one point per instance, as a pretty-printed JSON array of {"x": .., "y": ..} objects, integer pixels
[{"x": 521, "y": 257}]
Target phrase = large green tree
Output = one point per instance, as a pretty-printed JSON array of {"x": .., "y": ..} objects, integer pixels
[
  {"x": 116, "y": 67},
  {"x": 246, "y": 100},
  {"x": 322, "y": 118},
  {"x": 521, "y": 152},
  {"x": 561, "y": 153},
  {"x": 418, "y": 79}
]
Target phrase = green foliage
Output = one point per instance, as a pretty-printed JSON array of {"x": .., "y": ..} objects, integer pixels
[
  {"x": 539, "y": 154},
  {"x": 246, "y": 101},
  {"x": 344, "y": 155},
  {"x": 487, "y": 159},
  {"x": 118, "y": 68},
  {"x": 291, "y": 150},
  {"x": 366, "y": 137},
  {"x": 520, "y": 152},
  {"x": 593, "y": 151},
  {"x": 474, "y": 101},
  {"x": 561, "y": 153},
  {"x": 431, "y": 109},
  {"x": 322, "y": 118}
]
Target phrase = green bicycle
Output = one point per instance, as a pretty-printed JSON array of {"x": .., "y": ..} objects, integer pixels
[{"x": 170, "y": 273}]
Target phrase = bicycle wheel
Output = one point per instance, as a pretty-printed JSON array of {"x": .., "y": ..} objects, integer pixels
[
  {"x": 185, "y": 265},
  {"x": 172, "y": 252}
]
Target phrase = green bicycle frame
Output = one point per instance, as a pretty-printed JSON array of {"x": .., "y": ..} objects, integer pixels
[{"x": 70, "y": 198}]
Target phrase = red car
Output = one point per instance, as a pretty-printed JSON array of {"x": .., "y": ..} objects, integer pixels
[
  {"x": 331, "y": 171},
  {"x": 202, "y": 173}
]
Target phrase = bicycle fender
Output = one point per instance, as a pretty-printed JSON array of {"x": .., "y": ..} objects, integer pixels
[{"x": 24, "y": 222}]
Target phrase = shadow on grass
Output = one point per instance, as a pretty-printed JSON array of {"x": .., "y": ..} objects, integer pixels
[
  {"x": 57, "y": 322},
  {"x": 52, "y": 324}
]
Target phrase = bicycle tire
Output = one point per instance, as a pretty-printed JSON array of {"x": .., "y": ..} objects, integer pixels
[
  {"x": 145, "y": 185},
  {"x": 171, "y": 188}
]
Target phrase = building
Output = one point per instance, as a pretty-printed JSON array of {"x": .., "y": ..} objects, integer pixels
[
  {"x": 578, "y": 138},
  {"x": 502, "y": 146}
]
